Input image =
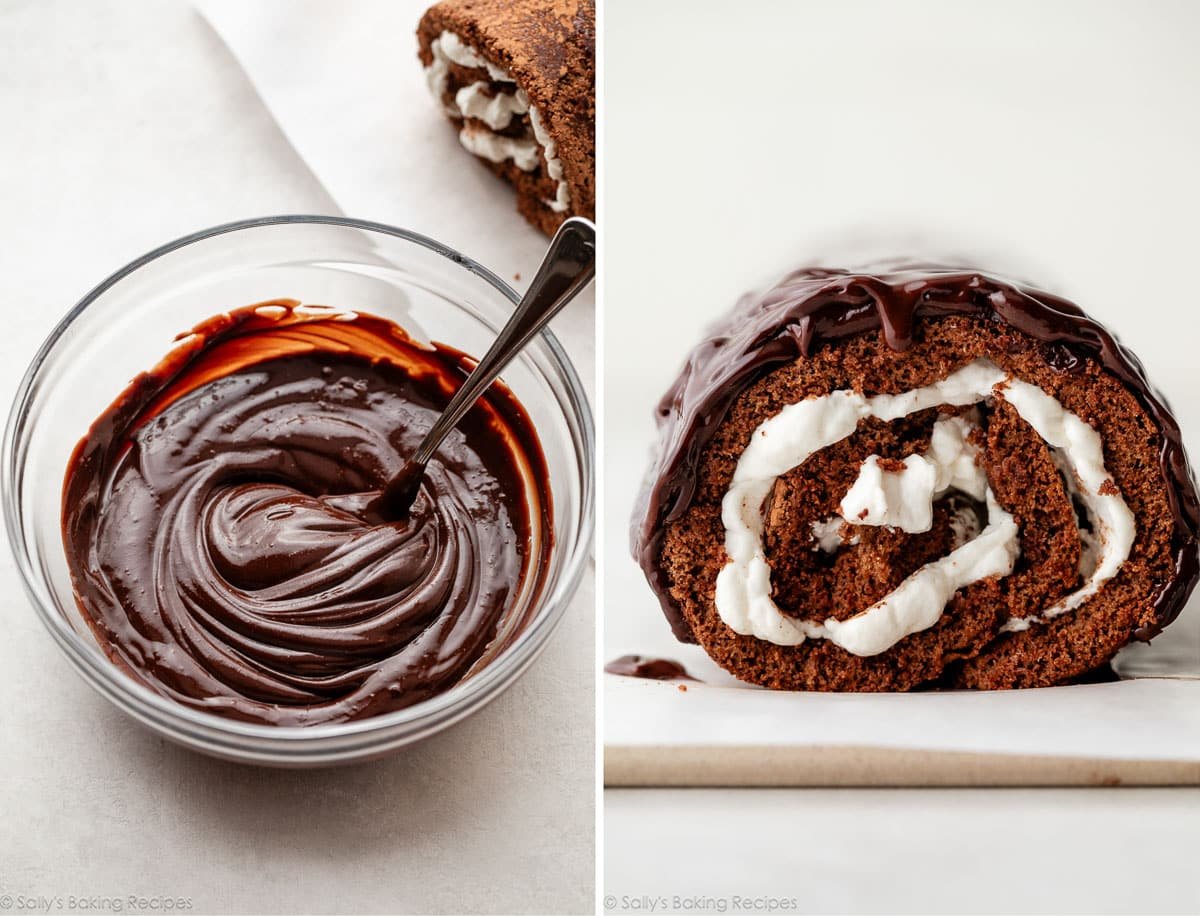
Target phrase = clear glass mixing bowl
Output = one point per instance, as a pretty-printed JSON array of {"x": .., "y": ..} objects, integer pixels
[{"x": 127, "y": 323}]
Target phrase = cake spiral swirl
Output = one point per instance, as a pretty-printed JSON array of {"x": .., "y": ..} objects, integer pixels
[{"x": 876, "y": 481}]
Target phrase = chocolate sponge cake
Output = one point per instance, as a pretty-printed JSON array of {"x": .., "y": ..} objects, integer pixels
[
  {"x": 518, "y": 79},
  {"x": 918, "y": 477}
]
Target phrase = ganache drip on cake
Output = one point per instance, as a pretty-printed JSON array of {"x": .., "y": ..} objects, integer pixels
[{"x": 814, "y": 306}]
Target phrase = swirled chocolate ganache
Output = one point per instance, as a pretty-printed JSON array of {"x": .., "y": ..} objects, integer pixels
[{"x": 220, "y": 534}]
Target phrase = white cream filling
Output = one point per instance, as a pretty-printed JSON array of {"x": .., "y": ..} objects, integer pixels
[
  {"x": 554, "y": 167},
  {"x": 904, "y": 499},
  {"x": 1111, "y": 519},
  {"x": 496, "y": 111},
  {"x": 898, "y": 499},
  {"x": 743, "y": 591},
  {"x": 496, "y": 148},
  {"x": 448, "y": 48}
]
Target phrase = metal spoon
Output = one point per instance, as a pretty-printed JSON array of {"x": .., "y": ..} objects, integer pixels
[{"x": 568, "y": 267}]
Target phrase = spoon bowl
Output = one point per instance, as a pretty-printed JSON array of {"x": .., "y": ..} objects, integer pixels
[
  {"x": 128, "y": 322},
  {"x": 569, "y": 265}
]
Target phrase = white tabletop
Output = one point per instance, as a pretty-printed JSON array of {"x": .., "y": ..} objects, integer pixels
[
  {"x": 902, "y": 851},
  {"x": 126, "y": 124}
]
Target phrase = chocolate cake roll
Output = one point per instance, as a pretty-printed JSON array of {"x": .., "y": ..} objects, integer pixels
[
  {"x": 518, "y": 78},
  {"x": 920, "y": 477}
]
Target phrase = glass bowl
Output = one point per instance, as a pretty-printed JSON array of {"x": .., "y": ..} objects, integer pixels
[{"x": 127, "y": 323}]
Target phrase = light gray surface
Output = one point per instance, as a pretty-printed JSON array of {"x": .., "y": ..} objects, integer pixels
[
  {"x": 905, "y": 851},
  {"x": 126, "y": 124}
]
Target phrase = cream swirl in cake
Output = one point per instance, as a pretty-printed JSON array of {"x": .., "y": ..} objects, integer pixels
[{"x": 904, "y": 498}]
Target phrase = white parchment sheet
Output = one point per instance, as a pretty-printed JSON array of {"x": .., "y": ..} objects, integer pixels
[{"x": 346, "y": 91}]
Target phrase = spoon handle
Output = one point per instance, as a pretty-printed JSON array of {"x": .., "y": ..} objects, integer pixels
[{"x": 569, "y": 265}]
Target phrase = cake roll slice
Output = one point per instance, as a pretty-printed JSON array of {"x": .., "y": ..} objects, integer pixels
[
  {"x": 518, "y": 79},
  {"x": 915, "y": 477}
]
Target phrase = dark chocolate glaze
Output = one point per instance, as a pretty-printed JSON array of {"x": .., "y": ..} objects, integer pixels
[
  {"x": 815, "y": 306},
  {"x": 218, "y": 534},
  {"x": 654, "y": 669}
]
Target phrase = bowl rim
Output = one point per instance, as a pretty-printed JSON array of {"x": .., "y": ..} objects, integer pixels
[{"x": 436, "y": 712}]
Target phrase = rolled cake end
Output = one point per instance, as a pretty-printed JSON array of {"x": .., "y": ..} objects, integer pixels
[
  {"x": 517, "y": 79},
  {"x": 879, "y": 482}
]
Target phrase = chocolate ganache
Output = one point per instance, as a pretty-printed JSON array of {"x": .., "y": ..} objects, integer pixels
[
  {"x": 814, "y": 306},
  {"x": 218, "y": 534},
  {"x": 648, "y": 668}
]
